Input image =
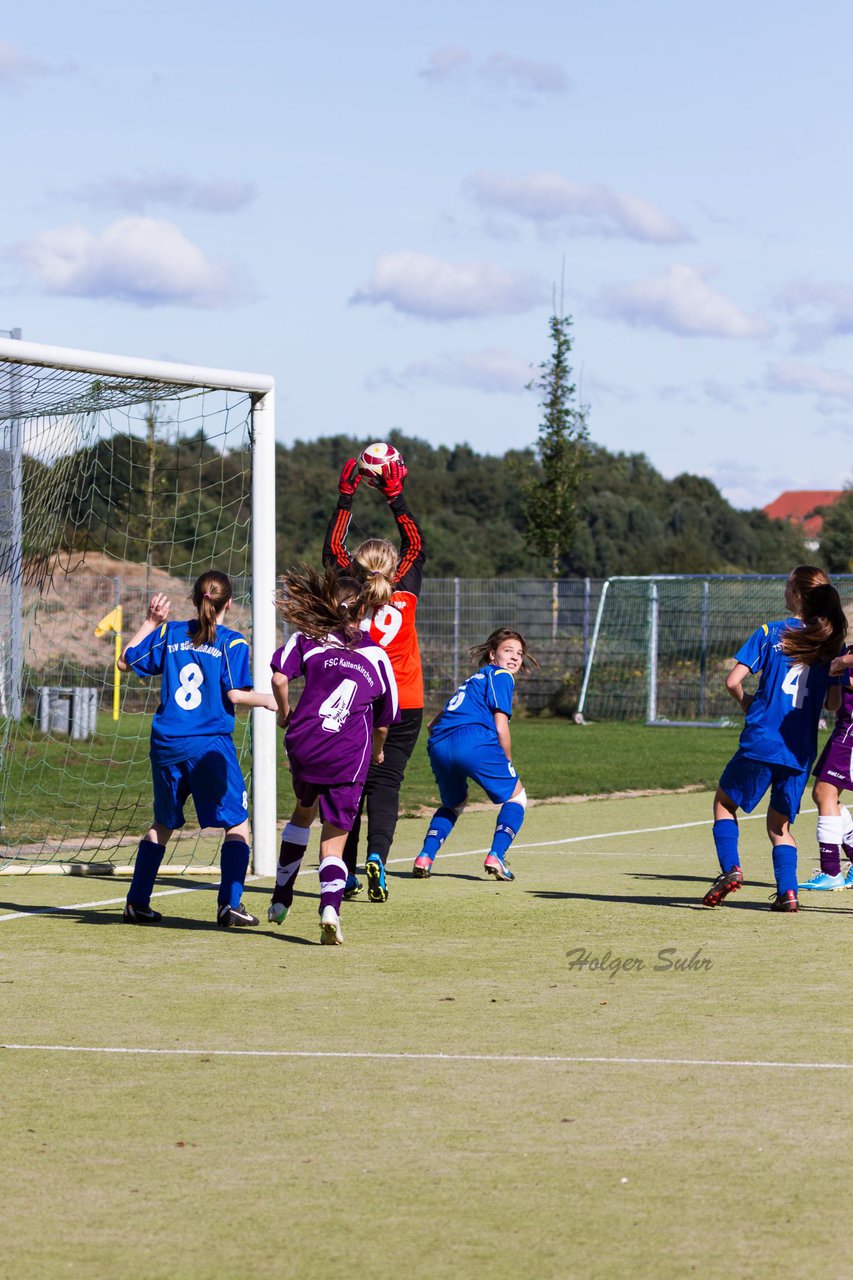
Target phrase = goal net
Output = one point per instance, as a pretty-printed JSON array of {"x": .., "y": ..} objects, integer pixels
[
  {"x": 661, "y": 646},
  {"x": 119, "y": 478}
]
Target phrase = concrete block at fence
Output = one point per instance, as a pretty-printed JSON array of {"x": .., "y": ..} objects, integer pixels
[{"x": 67, "y": 710}]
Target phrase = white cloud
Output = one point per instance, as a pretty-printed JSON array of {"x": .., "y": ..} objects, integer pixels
[
  {"x": 591, "y": 209},
  {"x": 508, "y": 72},
  {"x": 453, "y": 64},
  {"x": 493, "y": 370},
  {"x": 790, "y": 376},
  {"x": 420, "y": 285},
  {"x": 177, "y": 190},
  {"x": 680, "y": 301},
  {"x": 16, "y": 68},
  {"x": 144, "y": 261},
  {"x": 446, "y": 64},
  {"x": 820, "y": 311}
]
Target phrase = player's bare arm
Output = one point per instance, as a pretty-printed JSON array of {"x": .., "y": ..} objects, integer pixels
[
  {"x": 378, "y": 745},
  {"x": 734, "y": 685},
  {"x": 158, "y": 613},
  {"x": 281, "y": 698},
  {"x": 251, "y": 698},
  {"x": 502, "y": 730}
]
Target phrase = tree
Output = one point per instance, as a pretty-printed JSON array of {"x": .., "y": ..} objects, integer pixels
[{"x": 550, "y": 495}]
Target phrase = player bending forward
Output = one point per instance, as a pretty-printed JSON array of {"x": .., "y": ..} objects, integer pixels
[{"x": 470, "y": 739}]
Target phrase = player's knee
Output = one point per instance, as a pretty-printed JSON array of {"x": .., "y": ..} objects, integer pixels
[
  {"x": 520, "y": 797},
  {"x": 459, "y": 808}
]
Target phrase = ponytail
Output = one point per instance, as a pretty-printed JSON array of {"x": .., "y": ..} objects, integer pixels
[
  {"x": 823, "y": 634},
  {"x": 375, "y": 562},
  {"x": 320, "y": 606},
  {"x": 210, "y": 594}
]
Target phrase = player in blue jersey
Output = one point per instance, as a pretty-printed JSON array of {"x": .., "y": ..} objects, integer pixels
[
  {"x": 779, "y": 740},
  {"x": 470, "y": 739},
  {"x": 204, "y": 673},
  {"x": 339, "y": 727}
]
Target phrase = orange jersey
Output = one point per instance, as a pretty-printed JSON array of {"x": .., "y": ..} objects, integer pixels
[{"x": 393, "y": 628}]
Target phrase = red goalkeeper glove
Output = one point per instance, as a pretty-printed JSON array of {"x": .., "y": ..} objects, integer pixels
[
  {"x": 391, "y": 481},
  {"x": 350, "y": 478}
]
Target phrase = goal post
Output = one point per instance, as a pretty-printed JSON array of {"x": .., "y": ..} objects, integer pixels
[
  {"x": 118, "y": 474},
  {"x": 662, "y": 644}
]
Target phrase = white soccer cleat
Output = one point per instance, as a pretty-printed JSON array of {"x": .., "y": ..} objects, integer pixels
[
  {"x": 330, "y": 928},
  {"x": 277, "y": 912}
]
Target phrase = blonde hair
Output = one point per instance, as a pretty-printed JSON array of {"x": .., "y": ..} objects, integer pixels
[
  {"x": 322, "y": 605},
  {"x": 376, "y": 561},
  {"x": 210, "y": 594},
  {"x": 821, "y": 638}
]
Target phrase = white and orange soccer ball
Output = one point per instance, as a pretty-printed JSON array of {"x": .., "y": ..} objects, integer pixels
[{"x": 374, "y": 460}]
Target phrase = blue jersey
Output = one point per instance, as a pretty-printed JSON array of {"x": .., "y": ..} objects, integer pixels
[
  {"x": 475, "y": 702},
  {"x": 782, "y": 720},
  {"x": 195, "y": 682}
]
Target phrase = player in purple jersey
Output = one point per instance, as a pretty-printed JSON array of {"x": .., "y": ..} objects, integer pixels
[
  {"x": 470, "y": 739},
  {"x": 337, "y": 729},
  {"x": 834, "y": 773},
  {"x": 779, "y": 740},
  {"x": 204, "y": 673}
]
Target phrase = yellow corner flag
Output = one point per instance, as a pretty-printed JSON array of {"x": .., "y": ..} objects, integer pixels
[{"x": 111, "y": 624}]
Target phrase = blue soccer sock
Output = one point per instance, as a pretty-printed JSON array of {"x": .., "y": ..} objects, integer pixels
[
  {"x": 507, "y": 827},
  {"x": 443, "y": 822},
  {"x": 726, "y": 840},
  {"x": 148, "y": 859},
  {"x": 785, "y": 867},
  {"x": 234, "y": 861}
]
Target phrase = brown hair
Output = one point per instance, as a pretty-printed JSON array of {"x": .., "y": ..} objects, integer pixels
[
  {"x": 482, "y": 653},
  {"x": 821, "y": 638},
  {"x": 210, "y": 594},
  {"x": 375, "y": 561},
  {"x": 322, "y": 605}
]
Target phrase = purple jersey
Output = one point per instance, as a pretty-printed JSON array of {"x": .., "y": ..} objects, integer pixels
[{"x": 348, "y": 692}]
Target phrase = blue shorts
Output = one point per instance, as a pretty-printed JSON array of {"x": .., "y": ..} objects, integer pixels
[
  {"x": 471, "y": 753},
  {"x": 214, "y": 780},
  {"x": 746, "y": 781}
]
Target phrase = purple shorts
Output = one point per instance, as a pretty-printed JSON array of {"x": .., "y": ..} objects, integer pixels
[
  {"x": 338, "y": 801},
  {"x": 835, "y": 762}
]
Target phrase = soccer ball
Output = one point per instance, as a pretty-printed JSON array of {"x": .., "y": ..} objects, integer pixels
[{"x": 373, "y": 460}]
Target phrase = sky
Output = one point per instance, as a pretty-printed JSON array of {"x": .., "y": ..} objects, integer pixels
[{"x": 381, "y": 205}]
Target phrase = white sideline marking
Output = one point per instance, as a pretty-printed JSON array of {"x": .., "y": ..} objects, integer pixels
[
  {"x": 393, "y": 862},
  {"x": 435, "y": 1057}
]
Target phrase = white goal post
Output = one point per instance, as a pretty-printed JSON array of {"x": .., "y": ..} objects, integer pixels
[{"x": 26, "y": 365}]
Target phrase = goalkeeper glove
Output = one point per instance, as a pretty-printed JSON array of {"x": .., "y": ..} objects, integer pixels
[
  {"x": 391, "y": 481},
  {"x": 350, "y": 478}
]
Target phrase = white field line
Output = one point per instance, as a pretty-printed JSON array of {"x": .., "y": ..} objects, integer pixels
[
  {"x": 393, "y": 862},
  {"x": 557, "y": 1059}
]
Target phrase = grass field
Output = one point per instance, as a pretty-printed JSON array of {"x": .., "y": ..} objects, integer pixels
[{"x": 449, "y": 1094}]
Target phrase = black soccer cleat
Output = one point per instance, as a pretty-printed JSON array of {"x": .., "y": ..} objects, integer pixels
[
  {"x": 723, "y": 886},
  {"x": 235, "y": 917},
  {"x": 787, "y": 901},
  {"x": 136, "y": 914}
]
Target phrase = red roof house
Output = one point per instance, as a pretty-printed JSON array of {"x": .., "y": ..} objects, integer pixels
[{"x": 797, "y": 506}]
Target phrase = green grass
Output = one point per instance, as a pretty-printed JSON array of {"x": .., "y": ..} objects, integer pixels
[{"x": 526, "y": 1161}]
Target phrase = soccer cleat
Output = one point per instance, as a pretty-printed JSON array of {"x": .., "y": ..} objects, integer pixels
[
  {"x": 423, "y": 867},
  {"x": 277, "y": 912},
  {"x": 234, "y": 917},
  {"x": 136, "y": 914},
  {"x": 848, "y": 879},
  {"x": 786, "y": 901},
  {"x": 352, "y": 889},
  {"x": 497, "y": 867},
  {"x": 330, "y": 928},
  {"x": 725, "y": 884},
  {"x": 377, "y": 889},
  {"x": 822, "y": 880}
]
